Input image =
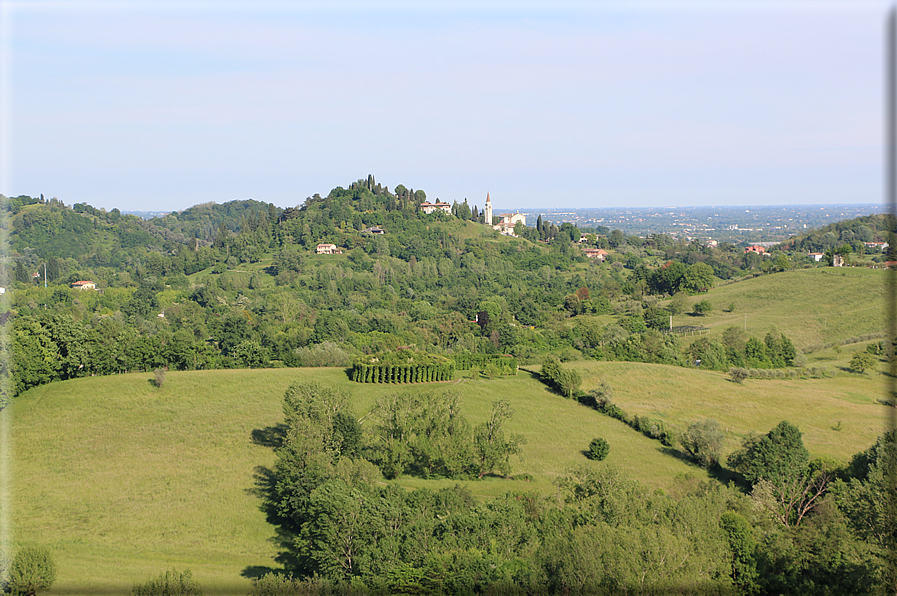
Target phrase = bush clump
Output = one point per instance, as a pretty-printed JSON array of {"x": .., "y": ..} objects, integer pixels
[
  {"x": 738, "y": 373},
  {"x": 33, "y": 570},
  {"x": 598, "y": 449},
  {"x": 169, "y": 583},
  {"x": 159, "y": 377},
  {"x": 704, "y": 441}
]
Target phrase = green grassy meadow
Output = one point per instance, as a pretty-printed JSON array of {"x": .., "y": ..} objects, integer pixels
[
  {"x": 680, "y": 396},
  {"x": 811, "y": 306},
  {"x": 123, "y": 480}
]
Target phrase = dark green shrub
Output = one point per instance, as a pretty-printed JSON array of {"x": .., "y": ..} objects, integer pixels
[{"x": 598, "y": 449}]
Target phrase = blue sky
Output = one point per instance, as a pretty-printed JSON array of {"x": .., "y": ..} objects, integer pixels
[{"x": 163, "y": 105}]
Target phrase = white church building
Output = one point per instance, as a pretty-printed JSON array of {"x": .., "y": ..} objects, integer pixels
[{"x": 506, "y": 221}]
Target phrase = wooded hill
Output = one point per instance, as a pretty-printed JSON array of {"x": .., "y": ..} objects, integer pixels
[
  {"x": 204, "y": 292},
  {"x": 241, "y": 285}
]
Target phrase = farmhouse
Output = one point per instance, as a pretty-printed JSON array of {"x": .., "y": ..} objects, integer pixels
[
  {"x": 817, "y": 256},
  {"x": 595, "y": 253},
  {"x": 84, "y": 285},
  {"x": 755, "y": 248},
  {"x": 328, "y": 249},
  {"x": 429, "y": 208}
]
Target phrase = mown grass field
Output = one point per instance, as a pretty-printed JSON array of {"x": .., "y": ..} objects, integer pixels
[
  {"x": 811, "y": 306},
  {"x": 680, "y": 396},
  {"x": 123, "y": 480}
]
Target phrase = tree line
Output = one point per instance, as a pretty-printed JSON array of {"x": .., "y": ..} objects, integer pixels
[{"x": 800, "y": 526}]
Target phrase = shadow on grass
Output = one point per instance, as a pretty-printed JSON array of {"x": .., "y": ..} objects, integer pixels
[
  {"x": 679, "y": 454},
  {"x": 532, "y": 374},
  {"x": 717, "y": 472},
  {"x": 270, "y": 436},
  {"x": 257, "y": 571},
  {"x": 537, "y": 377},
  {"x": 265, "y": 489}
]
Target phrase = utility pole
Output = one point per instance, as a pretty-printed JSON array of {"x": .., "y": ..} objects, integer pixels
[{"x": 45, "y": 274}]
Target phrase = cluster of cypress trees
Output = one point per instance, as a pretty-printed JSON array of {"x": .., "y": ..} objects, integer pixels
[{"x": 402, "y": 368}]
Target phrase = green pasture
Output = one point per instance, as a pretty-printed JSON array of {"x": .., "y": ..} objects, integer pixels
[
  {"x": 811, "y": 306},
  {"x": 123, "y": 480},
  {"x": 679, "y": 396}
]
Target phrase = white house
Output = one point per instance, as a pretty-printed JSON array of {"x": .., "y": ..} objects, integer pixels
[
  {"x": 329, "y": 249},
  {"x": 429, "y": 208}
]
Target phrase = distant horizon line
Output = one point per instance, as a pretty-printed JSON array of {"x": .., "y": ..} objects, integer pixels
[{"x": 556, "y": 209}]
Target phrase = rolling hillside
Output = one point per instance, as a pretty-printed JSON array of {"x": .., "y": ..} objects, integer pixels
[
  {"x": 811, "y": 306},
  {"x": 123, "y": 480}
]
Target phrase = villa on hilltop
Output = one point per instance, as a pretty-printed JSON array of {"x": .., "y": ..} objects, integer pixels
[{"x": 429, "y": 208}]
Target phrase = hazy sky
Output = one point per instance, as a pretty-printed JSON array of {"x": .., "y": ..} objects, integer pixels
[{"x": 163, "y": 105}]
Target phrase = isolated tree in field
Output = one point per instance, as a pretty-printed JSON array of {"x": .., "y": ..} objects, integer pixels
[
  {"x": 703, "y": 308},
  {"x": 492, "y": 450},
  {"x": 33, "y": 570},
  {"x": 861, "y": 361},
  {"x": 704, "y": 441},
  {"x": 738, "y": 373}
]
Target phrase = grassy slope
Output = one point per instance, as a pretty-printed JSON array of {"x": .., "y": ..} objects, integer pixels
[
  {"x": 811, "y": 306},
  {"x": 123, "y": 480},
  {"x": 679, "y": 396}
]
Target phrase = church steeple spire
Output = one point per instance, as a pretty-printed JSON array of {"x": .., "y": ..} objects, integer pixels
[{"x": 487, "y": 215}]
